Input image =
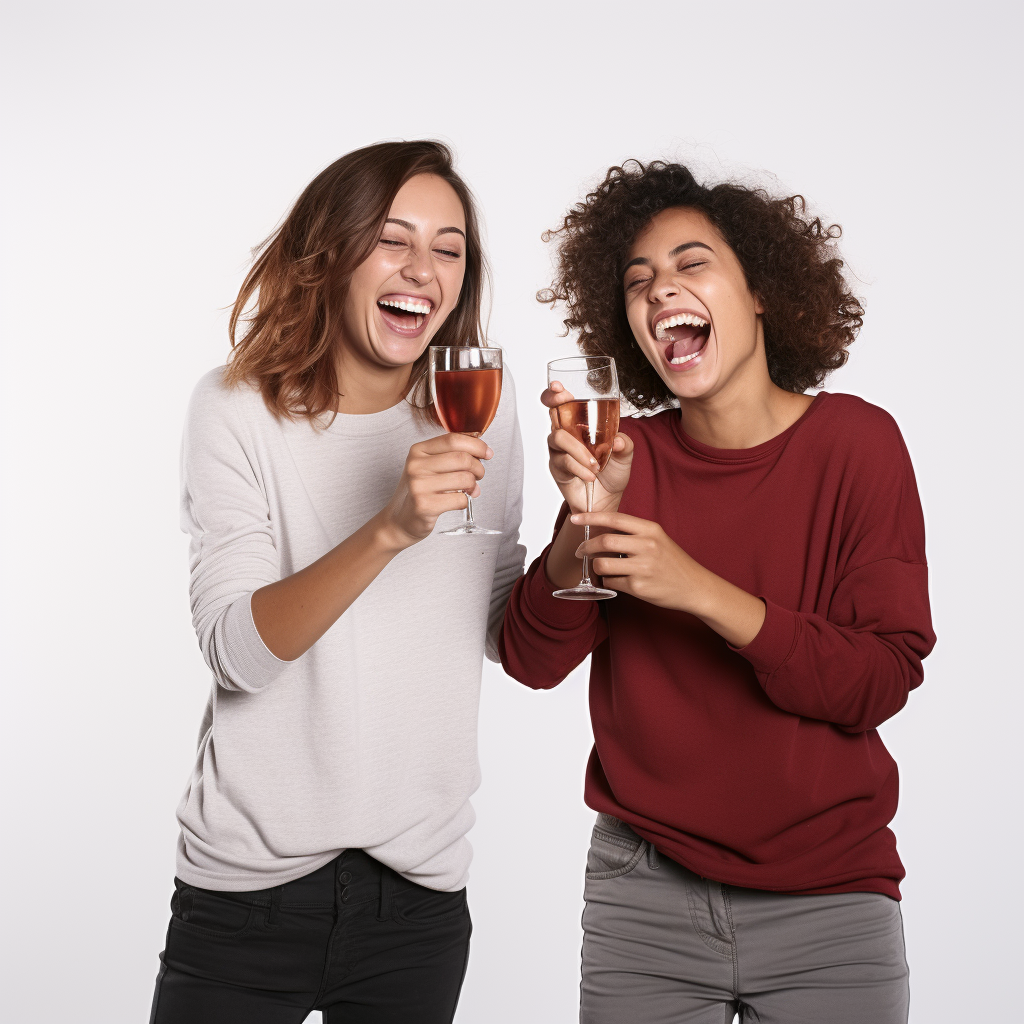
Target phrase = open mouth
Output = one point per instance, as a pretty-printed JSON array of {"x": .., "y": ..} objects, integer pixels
[
  {"x": 405, "y": 314},
  {"x": 684, "y": 336}
]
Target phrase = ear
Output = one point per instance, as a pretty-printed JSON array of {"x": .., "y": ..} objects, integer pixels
[{"x": 758, "y": 305}]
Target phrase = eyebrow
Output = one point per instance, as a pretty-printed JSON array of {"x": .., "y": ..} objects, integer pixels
[
  {"x": 412, "y": 227},
  {"x": 675, "y": 252}
]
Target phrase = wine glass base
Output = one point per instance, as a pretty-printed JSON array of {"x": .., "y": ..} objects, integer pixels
[
  {"x": 584, "y": 593},
  {"x": 469, "y": 530}
]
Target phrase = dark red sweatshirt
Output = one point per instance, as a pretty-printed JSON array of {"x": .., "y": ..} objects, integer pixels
[{"x": 759, "y": 767}]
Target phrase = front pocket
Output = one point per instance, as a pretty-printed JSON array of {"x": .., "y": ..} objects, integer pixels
[
  {"x": 422, "y": 906},
  {"x": 612, "y": 854},
  {"x": 210, "y": 913}
]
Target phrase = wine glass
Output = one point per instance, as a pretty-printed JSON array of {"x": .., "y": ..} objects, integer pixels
[
  {"x": 592, "y": 417},
  {"x": 465, "y": 384}
]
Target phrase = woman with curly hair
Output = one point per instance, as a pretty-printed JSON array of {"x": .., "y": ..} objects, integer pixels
[{"x": 767, "y": 550}]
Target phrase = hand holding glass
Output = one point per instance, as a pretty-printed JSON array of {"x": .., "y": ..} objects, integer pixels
[
  {"x": 465, "y": 384},
  {"x": 591, "y": 415}
]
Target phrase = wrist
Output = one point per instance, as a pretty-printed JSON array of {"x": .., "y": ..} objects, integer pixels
[
  {"x": 610, "y": 504},
  {"x": 386, "y": 536},
  {"x": 699, "y": 593},
  {"x": 730, "y": 611}
]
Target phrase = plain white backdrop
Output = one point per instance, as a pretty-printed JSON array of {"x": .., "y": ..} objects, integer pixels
[{"x": 149, "y": 146}]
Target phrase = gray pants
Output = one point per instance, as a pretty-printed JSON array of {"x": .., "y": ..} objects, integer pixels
[{"x": 662, "y": 945}]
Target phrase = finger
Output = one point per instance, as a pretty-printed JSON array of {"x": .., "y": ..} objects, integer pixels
[
  {"x": 449, "y": 462},
  {"x": 622, "y": 447},
  {"x": 610, "y": 544},
  {"x": 455, "y": 443},
  {"x": 613, "y": 568},
  {"x": 441, "y": 503},
  {"x": 455, "y": 482},
  {"x": 563, "y": 467},
  {"x": 613, "y": 521},
  {"x": 438, "y": 483},
  {"x": 555, "y": 395},
  {"x": 563, "y": 441}
]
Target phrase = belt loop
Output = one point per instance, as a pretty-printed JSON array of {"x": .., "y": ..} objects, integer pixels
[
  {"x": 275, "y": 905},
  {"x": 386, "y": 889},
  {"x": 652, "y": 857}
]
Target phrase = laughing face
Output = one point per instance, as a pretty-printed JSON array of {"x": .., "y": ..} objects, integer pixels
[
  {"x": 401, "y": 294},
  {"x": 689, "y": 306}
]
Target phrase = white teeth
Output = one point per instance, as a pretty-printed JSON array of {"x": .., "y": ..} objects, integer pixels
[
  {"x": 689, "y": 319},
  {"x": 683, "y": 359},
  {"x": 408, "y": 306}
]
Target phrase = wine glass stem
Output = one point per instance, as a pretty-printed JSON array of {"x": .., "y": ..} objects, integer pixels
[
  {"x": 585, "y": 582},
  {"x": 469, "y": 511}
]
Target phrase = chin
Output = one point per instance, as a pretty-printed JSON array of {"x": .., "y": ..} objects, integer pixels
[
  {"x": 690, "y": 392},
  {"x": 398, "y": 353},
  {"x": 699, "y": 382}
]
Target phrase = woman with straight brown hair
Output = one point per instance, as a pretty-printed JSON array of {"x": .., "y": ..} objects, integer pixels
[{"x": 323, "y": 861}]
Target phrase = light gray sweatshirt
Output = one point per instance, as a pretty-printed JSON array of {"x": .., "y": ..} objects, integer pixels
[{"x": 369, "y": 740}]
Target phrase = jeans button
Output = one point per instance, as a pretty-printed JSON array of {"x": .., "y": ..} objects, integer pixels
[{"x": 346, "y": 877}]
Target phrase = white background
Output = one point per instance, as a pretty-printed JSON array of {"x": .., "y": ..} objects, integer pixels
[{"x": 149, "y": 146}]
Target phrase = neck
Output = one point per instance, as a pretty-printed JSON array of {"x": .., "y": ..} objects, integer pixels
[
  {"x": 366, "y": 387},
  {"x": 746, "y": 412}
]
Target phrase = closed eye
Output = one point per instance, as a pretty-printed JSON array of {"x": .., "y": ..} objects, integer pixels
[
  {"x": 448, "y": 252},
  {"x": 636, "y": 281}
]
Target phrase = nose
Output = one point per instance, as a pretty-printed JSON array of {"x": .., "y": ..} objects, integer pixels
[
  {"x": 663, "y": 287},
  {"x": 418, "y": 268}
]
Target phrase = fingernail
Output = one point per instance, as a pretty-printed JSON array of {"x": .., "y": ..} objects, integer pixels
[
  {"x": 490, "y": 454},
  {"x": 574, "y": 520},
  {"x": 578, "y": 550},
  {"x": 593, "y": 462}
]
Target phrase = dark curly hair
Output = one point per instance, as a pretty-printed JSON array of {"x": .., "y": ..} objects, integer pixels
[{"x": 790, "y": 261}]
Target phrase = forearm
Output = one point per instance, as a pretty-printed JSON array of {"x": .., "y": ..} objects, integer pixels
[
  {"x": 730, "y": 611},
  {"x": 543, "y": 639},
  {"x": 637, "y": 557},
  {"x": 855, "y": 678},
  {"x": 292, "y": 614}
]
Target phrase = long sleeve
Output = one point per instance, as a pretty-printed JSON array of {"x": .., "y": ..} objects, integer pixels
[
  {"x": 855, "y": 664},
  {"x": 232, "y": 550},
  {"x": 544, "y": 638},
  {"x": 511, "y": 554}
]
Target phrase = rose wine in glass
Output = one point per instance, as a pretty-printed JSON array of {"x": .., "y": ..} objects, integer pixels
[
  {"x": 592, "y": 417},
  {"x": 465, "y": 384}
]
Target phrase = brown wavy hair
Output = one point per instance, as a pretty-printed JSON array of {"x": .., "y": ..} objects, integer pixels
[
  {"x": 292, "y": 298},
  {"x": 789, "y": 259}
]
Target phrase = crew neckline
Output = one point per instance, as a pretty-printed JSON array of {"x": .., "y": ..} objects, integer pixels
[
  {"x": 369, "y": 424},
  {"x": 735, "y": 456}
]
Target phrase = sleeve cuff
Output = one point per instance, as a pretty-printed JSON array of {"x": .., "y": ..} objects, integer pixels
[
  {"x": 774, "y": 643},
  {"x": 245, "y": 658}
]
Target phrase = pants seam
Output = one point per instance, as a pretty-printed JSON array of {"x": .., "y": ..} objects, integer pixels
[
  {"x": 327, "y": 956},
  {"x": 727, "y": 900},
  {"x": 465, "y": 967},
  {"x": 386, "y": 886},
  {"x": 715, "y": 945},
  {"x": 153, "y": 1015},
  {"x": 617, "y": 840}
]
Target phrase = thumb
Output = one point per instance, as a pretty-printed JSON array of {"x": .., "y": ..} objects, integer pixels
[{"x": 622, "y": 449}]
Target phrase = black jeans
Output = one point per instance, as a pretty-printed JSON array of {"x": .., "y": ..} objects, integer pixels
[{"x": 353, "y": 939}]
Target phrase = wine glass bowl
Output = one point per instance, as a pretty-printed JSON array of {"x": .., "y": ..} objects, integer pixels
[
  {"x": 465, "y": 385},
  {"x": 591, "y": 415},
  {"x": 593, "y": 422}
]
